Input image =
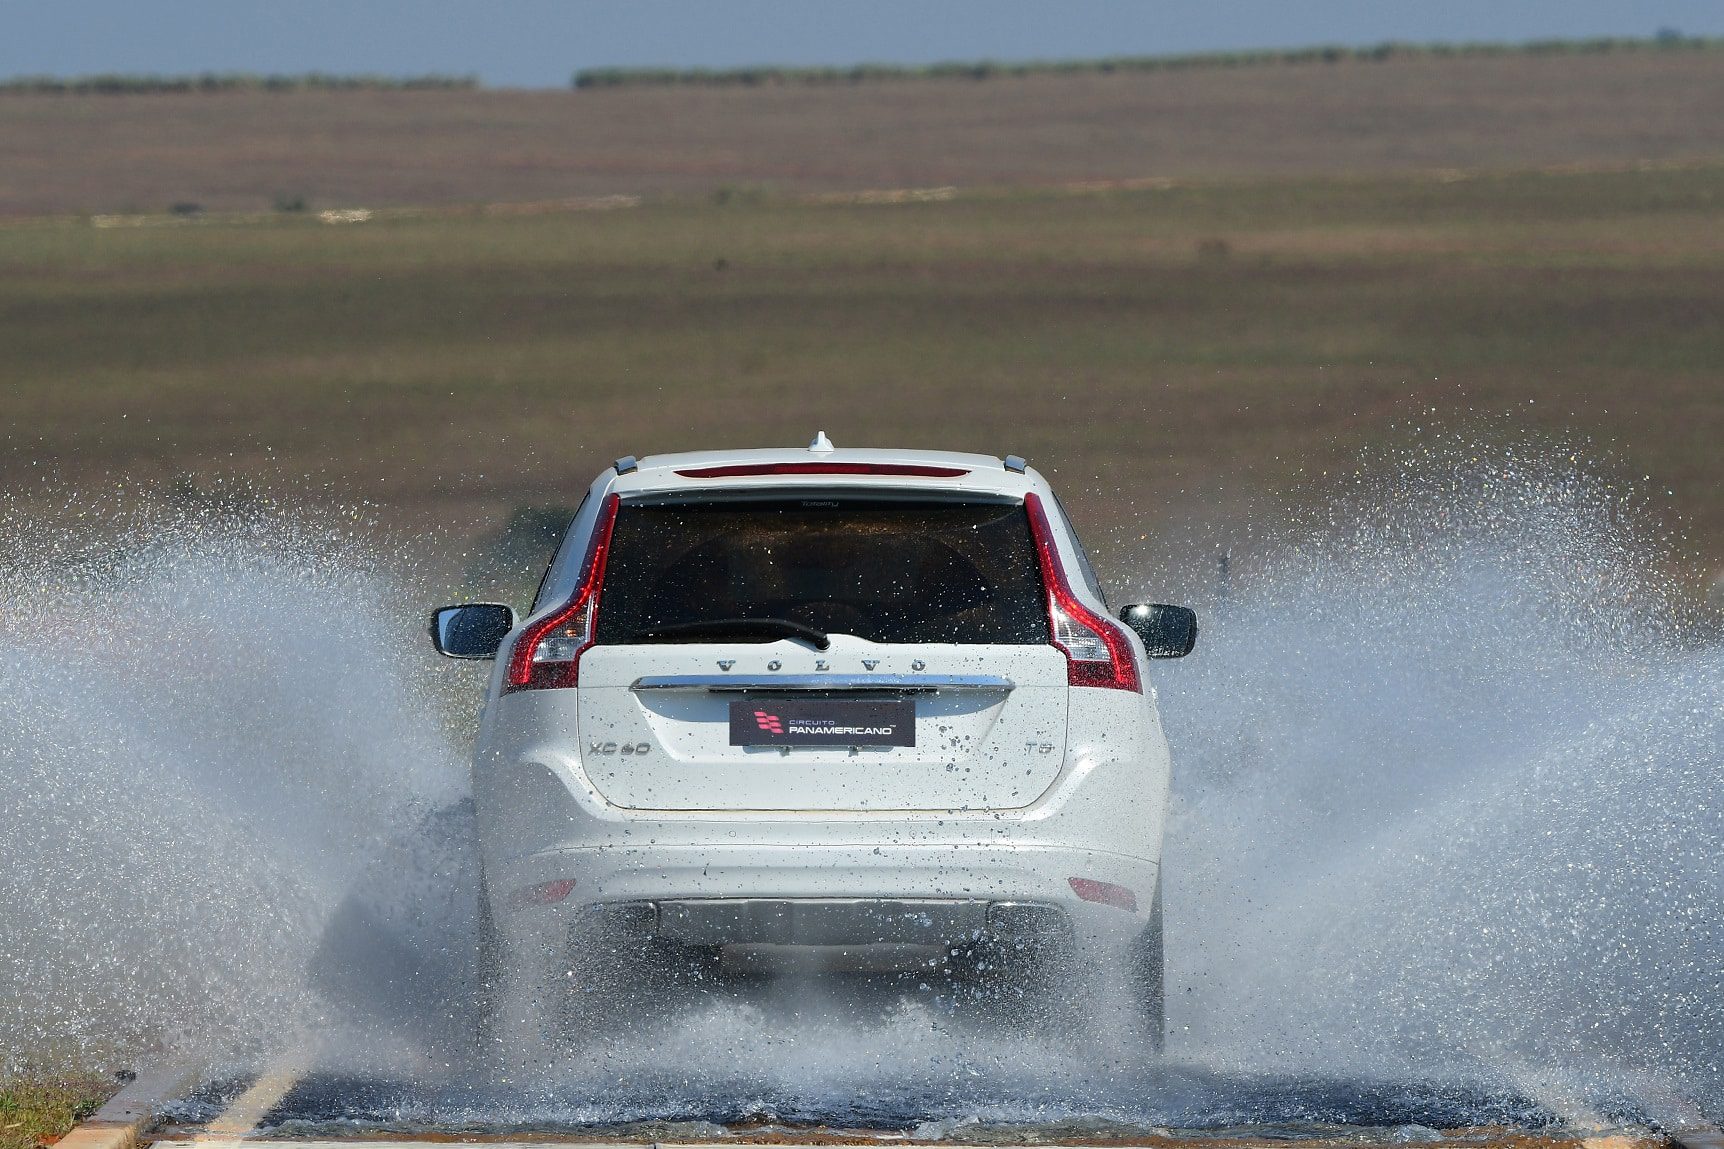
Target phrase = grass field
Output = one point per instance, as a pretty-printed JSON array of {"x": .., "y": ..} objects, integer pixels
[
  {"x": 248, "y": 150},
  {"x": 1171, "y": 354}
]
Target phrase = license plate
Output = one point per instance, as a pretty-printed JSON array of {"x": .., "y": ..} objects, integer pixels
[{"x": 822, "y": 722}]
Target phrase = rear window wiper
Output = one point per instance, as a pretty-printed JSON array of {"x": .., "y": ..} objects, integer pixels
[{"x": 763, "y": 629}]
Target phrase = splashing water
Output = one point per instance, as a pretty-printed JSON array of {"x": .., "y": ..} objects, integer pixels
[
  {"x": 1444, "y": 814},
  {"x": 1447, "y": 799},
  {"x": 207, "y": 726}
]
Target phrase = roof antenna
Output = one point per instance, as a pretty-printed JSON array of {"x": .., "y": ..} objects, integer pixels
[{"x": 821, "y": 445}]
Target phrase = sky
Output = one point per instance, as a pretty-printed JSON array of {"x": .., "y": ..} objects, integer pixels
[{"x": 540, "y": 43}]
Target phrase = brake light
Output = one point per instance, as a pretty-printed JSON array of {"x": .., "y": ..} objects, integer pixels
[
  {"x": 744, "y": 470},
  {"x": 1097, "y": 651},
  {"x": 548, "y": 653}
]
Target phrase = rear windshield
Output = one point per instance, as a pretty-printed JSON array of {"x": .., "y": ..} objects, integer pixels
[{"x": 883, "y": 571}]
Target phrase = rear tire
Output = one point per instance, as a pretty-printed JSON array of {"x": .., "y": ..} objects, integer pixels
[
  {"x": 489, "y": 975},
  {"x": 623, "y": 980},
  {"x": 1146, "y": 969},
  {"x": 1021, "y": 984},
  {"x": 518, "y": 987}
]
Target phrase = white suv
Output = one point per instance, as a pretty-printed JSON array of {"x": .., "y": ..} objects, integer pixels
[{"x": 822, "y": 710}]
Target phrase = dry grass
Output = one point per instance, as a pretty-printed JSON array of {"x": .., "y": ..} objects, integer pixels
[{"x": 249, "y": 150}]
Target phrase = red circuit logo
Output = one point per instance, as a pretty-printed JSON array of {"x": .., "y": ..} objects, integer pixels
[{"x": 768, "y": 722}]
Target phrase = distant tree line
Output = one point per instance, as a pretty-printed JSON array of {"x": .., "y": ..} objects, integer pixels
[
  {"x": 766, "y": 76},
  {"x": 1666, "y": 41},
  {"x": 118, "y": 85}
]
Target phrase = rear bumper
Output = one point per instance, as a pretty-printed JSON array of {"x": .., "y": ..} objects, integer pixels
[
  {"x": 816, "y": 935},
  {"x": 843, "y": 921},
  {"x": 816, "y": 921},
  {"x": 812, "y": 894}
]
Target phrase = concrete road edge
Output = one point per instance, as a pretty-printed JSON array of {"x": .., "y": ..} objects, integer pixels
[
  {"x": 1698, "y": 1137},
  {"x": 129, "y": 1114}
]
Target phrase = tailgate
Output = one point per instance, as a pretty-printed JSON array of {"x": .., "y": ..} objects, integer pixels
[{"x": 657, "y": 733}]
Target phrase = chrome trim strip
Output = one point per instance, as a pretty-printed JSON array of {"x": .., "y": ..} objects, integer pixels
[{"x": 802, "y": 683}]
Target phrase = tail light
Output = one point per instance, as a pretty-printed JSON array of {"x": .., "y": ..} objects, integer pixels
[
  {"x": 548, "y": 653},
  {"x": 1097, "y": 651}
]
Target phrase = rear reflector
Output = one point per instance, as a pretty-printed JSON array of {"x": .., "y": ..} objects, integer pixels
[
  {"x": 1104, "y": 893},
  {"x": 745, "y": 470},
  {"x": 545, "y": 893}
]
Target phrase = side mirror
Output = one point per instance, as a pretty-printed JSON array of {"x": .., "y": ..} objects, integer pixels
[
  {"x": 1167, "y": 631},
  {"x": 471, "y": 630}
]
